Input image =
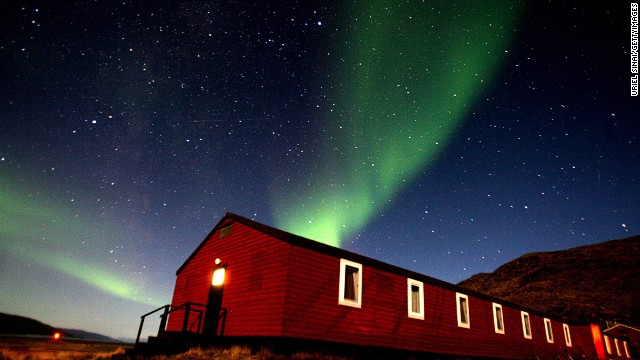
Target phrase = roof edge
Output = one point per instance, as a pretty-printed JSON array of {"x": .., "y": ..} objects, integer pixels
[
  {"x": 621, "y": 325},
  {"x": 202, "y": 243}
]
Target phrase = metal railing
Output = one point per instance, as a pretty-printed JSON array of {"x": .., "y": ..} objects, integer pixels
[
  {"x": 223, "y": 316},
  {"x": 188, "y": 308},
  {"x": 163, "y": 320}
]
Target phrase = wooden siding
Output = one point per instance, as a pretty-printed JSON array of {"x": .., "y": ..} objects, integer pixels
[
  {"x": 312, "y": 312},
  {"x": 254, "y": 285},
  {"x": 629, "y": 334},
  {"x": 582, "y": 341},
  {"x": 281, "y": 285}
]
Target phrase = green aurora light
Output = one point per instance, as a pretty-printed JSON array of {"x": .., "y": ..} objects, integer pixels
[
  {"x": 405, "y": 80},
  {"x": 25, "y": 220}
]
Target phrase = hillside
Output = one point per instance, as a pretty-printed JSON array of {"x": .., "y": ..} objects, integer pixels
[
  {"x": 589, "y": 283},
  {"x": 20, "y": 325}
]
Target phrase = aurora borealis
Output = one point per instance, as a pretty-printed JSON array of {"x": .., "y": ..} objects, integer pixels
[
  {"x": 391, "y": 114},
  {"x": 24, "y": 221},
  {"x": 446, "y": 137}
]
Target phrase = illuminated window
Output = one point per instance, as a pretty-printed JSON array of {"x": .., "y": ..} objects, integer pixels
[
  {"x": 615, "y": 341},
  {"x": 350, "y": 283},
  {"x": 607, "y": 344},
  {"x": 415, "y": 294},
  {"x": 567, "y": 335},
  {"x": 498, "y": 318},
  {"x": 526, "y": 325},
  {"x": 463, "y": 310},
  {"x": 548, "y": 330},
  {"x": 626, "y": 349}
]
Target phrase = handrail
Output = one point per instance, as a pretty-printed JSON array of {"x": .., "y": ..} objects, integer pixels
[
  {"x": 187, "y": 309},
  {"x": 185, "y": 305},
  {"x": 156, "y": 310},
  {"x": 163, "y": 318},
  {"x": 163, "y": 322}
]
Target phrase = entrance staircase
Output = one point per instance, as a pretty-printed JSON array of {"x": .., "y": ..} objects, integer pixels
[{"x": 174, "y": 342}]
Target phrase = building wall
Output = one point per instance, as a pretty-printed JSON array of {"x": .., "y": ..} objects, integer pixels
[
  {"x": 275, "y": 288},
  {"x": 254, "y": 285},
  {"x": 629, "y": 334},
  {"x": 583, "y": 341},
  {"x": 312, "y": 312}
]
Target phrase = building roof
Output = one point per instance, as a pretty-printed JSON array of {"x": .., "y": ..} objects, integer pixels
[
  {"x": 303, "y": 242},
  {"x": 622, "y": 326}
]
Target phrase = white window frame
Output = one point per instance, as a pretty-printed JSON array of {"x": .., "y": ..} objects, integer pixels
[
  {"x": 526, "y": 325},
  {"x": 548, "y": 330},
  {"x": 461, "y": 324},
  {"x": 495, "y": 318},
  {"x": 567, "y": 335},
  {"x": 615, "y": 341},
  {"x": 410, "y": 284},
  {"x": 626, "y": 349},
  {"x": 607, "y": 344},
  {"x": 341, "y": 298}
]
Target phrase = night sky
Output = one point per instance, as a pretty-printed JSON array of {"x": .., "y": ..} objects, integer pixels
[{"x": 443, "y": 137}]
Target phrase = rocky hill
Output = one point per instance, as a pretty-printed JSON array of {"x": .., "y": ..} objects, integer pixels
[{"x": 591, "y": 283}]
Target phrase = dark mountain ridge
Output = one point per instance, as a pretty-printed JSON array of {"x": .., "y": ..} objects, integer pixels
[
  {"x": 593, "y": 283},
  {"x": 20, "y": 325}
]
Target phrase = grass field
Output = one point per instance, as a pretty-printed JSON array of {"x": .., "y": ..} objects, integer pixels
[
  {"x": 34, "y": 348},
  {"x": 245, "y": 353},
  {"x": 42, "y": 348}
]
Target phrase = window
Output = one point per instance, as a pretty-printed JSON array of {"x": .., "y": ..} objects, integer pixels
[
  {"x": 463, "y": 310},
  {"x": 526, "y": 325},
  {"x": 607, "y": 343},
  {"x": 498, "y": 318},
  {"x": 226, "y": 231},
  {"x": 548, "y": 330},
  {"x": 350, "y": 283},
  {"x": 415, "y": 294},
  {"x": 567, "y": 334},
  {"x": 626, "y": 349},
  {"x": 617, "y": 347}
]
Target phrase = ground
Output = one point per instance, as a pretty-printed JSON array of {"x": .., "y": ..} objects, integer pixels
[{"x": 34, "y": 348}]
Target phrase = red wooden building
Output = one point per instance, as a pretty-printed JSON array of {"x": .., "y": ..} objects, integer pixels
[
  {"x": 279, "y": 285},
  {"x": 622, "y": 340}
]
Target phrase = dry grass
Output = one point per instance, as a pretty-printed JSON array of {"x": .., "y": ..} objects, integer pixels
[
  {"x": 245, "y": 353},
  {"x": 16, "y": 348},
  {"x": 55, "y": 355}
]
